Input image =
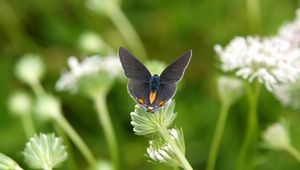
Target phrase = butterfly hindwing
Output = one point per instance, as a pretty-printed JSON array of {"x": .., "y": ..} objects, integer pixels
[
  {"x": 166, "y": 92},
  {"x": 139, "y": 90},
  {"x": 133, "y": 68},
  {"x": 175, "y": 70}
]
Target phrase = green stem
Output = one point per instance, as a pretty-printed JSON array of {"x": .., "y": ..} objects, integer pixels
[
  {"x": 254, "y": 15},
  {"x": 105, "y": 121},
  {"x": 127, "y": 30},
  {"x": 166, "y": 136},
  {"x": 294, "y": 152},
  {"x": 37, "y": 88},
  {"x": 217, "y": 136},
  {"x": 86, "y": 152},
  {"x": 248, "y": 149},
  {"x": 28, "y": 125},
  {"x": 70, "y": 161}
]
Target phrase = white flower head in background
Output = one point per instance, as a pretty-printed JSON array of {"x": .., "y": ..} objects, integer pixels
[
  {"x": 20, "y": 103},
  {"x": 102, "y": 6},
  {"x": 45, "y": 151},
  {"x": 230, "y": 88},
  {"x": 291, "y": 31},
  {"x": 92, "y": 42},
  {"x": 104, "y": 165},
  {"x": 48, "y": 107},
  {"x": 92, "y": 73},
  {"x": 7, "y": 163},
  {"x": 30, "y": 69},
  {"x": 155, "y": 67},
  {"x": 276, "y": 137},
  {"x": 268, "y": 60},
  {"x": 288, "y": 94}
]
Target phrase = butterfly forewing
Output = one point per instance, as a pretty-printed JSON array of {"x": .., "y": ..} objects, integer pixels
[
  {"x": 175, "y": 70},
  {"x": 133, "y": 68}
]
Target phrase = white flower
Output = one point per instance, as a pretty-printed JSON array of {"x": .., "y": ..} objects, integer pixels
[
  {"x": 20, "y": 103},
  {"x": 45, "y": 152},
  {"x": 291, "y": 31},
  {"x": 30, "y": 69},
  {"x": 229, "y": 88},
  {"x": 288, "y": 94},
  {"x": 160, "y": 152},
  {"x": 276, "y": 136},
  {"x": 270, "y": 60},
  {"x": 89, "y": 74},
  {"x": 6, "y": 163},
  {"x": 92, "y": 42},
  {"x": 48, "y": 107}
]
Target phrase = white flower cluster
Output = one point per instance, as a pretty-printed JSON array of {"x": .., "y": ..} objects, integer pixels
[
  {"x": 161, "y": 152},
  {"x": 89, "y": 66},
  {"x": 288, "y": 94},
  {"x": 161, "y": 155},
  {"x": 291, "y": 31},
  {"x": 269, "y": 60}
]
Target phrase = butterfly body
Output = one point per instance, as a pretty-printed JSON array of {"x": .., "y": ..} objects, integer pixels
[{"x": 152, "y": 91}]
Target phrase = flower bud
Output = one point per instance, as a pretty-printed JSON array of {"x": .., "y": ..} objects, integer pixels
[
  {"x": 102, "y": 6},
  {"x": 20, "y": 103},
  {"x": 45, "y": 152},
  {"x": 7, "y": 163},
  {"x": 276, "y": 137},
  {"x": 91, "y": 42},
  {"x": 145, "y": 123},
  {"x": 30, "y": 69},
  {"x": 48, "y": 107},
  {"x": 155, "y": 67},
  {"x": 230, "y": 89}
]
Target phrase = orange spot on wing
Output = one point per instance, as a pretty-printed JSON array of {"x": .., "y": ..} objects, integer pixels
[
  {"x": 152, "y": 96},
  {"x": 141, "y": 101},
  {"x": 162, "y": 102}
]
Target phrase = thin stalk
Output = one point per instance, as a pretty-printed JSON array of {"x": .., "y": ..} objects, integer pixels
[
  {"x": 294, "y": 152},
  {"x": 254, "y": 15},
  {"x": 83, "y": 148},
  {"x": 105, "y": 121},
  {"x": 127, "y": 30},
  {"x": 249, "y": 142},
  {"x": 37, "y": 88},
  {"x": 166, "y": 136},
  {"x": 70, "y": 161},
  {"x": 28, "y": 125},
  {"x": 217, "y": 136}
]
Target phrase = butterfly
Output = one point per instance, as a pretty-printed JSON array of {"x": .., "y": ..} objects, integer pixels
[{"x": 152, "y": 91}]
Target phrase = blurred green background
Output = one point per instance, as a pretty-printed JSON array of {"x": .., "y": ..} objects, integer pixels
[{"x": 52, "y": 29}]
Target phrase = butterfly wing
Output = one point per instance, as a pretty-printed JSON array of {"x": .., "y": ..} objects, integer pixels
[
  {"x": 173, "y": 73},
  {"x": 133, "y": 68},
  {"x": 139, "y": 91},
  {"x": 166, "y": 92}
]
